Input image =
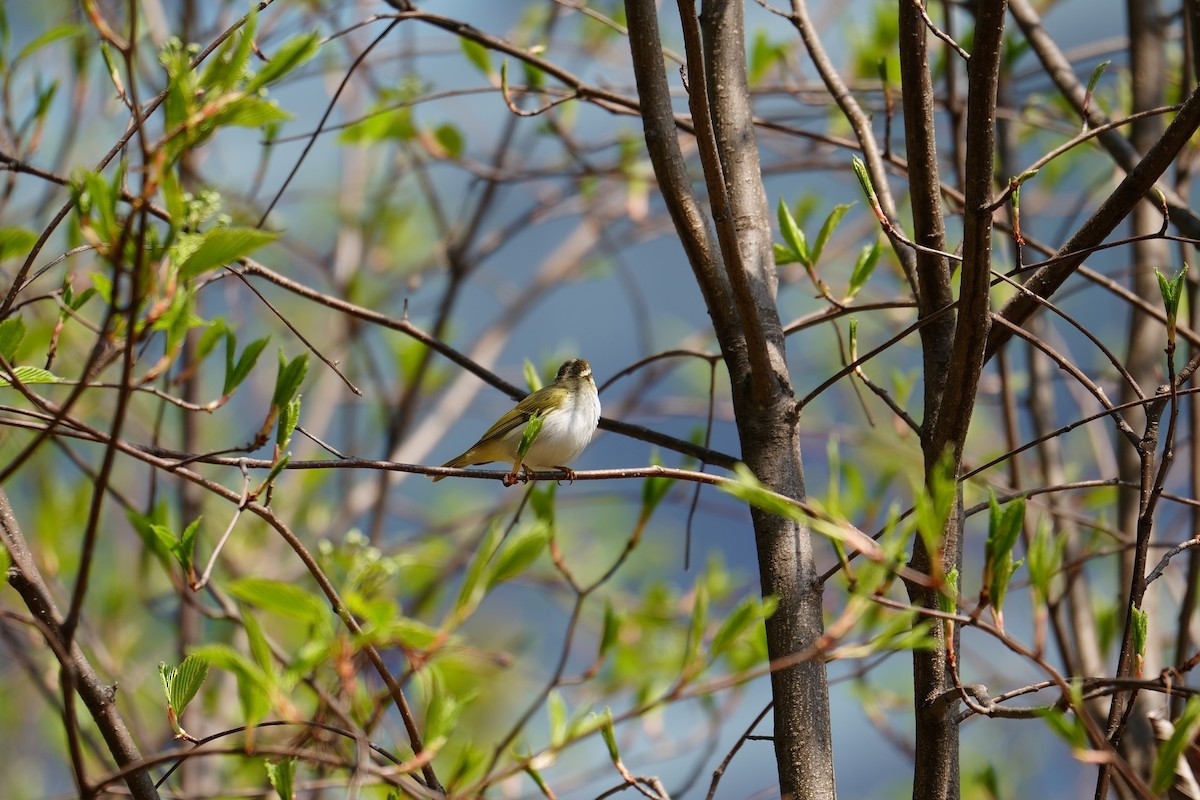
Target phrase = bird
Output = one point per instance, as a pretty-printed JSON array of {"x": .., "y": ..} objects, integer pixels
[{"x": 569, "y": 409}]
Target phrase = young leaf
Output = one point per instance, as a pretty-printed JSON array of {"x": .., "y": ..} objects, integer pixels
[
  {"x": 477, "y": 54},
  {"x": 744, "y": 616},
  {"x": 1044, "y": 556},
  {"x": 12, "y": 332},
  {"x": 451, "y": 140},
  {"x": 654, "y": 489},
  {"x": 532, "y": 429},
  {"x": 187, "y": 680},
  {"x": 693, "y": 659},
  {"x": 532, "y": 379},
  {"x": 1170, "y": 751},
  {"x": 290, "y": 55},
  {"x": 16, "y": 242},
  {"x": 280, "y": 597},
  {"x": 256, "y": 638},
  {"x": 474, "y": 585},
  {"x": 611, "y": 628},
  {"x": 282, "y": 775},
  {"x": 518, "y": 553},
  {"x": 221, "y": 246},
  {"x": 237, "y": 372},
  {"x": 289, "y": 417},
  {"x": 748, "y": 489},
  {"x": 610, "y": 736},
  {"x": 784, "y": 255},
  {"x": 827, "y": 229},
  {"x": 66, "y": 30},
  {"x": 868, "y": 257},
  {"x": 792, "y": 235},
  {"x": 30, "y": 376},
  {"x": 1003, "y": 529},
  {"x": 288, "y": 379},
  {"x": 1141, "y": 624},
  {"x": 556, "y": 707}
]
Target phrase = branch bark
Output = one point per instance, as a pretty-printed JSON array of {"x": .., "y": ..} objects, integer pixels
[
  {"x": 764, "y": 405},
  {"x": 98, "y": 697},
  {"x": 944, "y": 430}
]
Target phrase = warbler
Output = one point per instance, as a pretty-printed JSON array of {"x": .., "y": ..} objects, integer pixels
[{"x": 569, "y": 409}]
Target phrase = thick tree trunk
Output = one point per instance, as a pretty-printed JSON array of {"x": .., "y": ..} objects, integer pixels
[{"x": 736, "y": 273}]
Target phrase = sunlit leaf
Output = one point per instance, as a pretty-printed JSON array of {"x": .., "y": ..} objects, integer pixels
[
  {"x": 290, "y": 55},
  {"x": 279, "y": 597},
  {"x": 223, "y": 246}
]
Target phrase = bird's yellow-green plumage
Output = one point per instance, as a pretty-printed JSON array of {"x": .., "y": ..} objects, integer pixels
[{"x": 569, "y": 409}]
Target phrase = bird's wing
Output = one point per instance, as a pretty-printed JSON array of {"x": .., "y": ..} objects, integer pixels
[{"x": 515, "y": 419}]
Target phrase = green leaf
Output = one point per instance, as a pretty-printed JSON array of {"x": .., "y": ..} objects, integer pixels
[
  {"x": 289, "y": 418},
  {"x": 948, "y": 596},
  {"x": 868, "y": 258},
  {"x": 237, "y": 372},
  {"x": 12, "y": 332},
  {"x": 1172, "y": 291},
  {"x": 1141, "y": 622},
  {"x": 215, "y": 331},
  {"x": 290, "y": 55},
  {"x": 260, "y": 649},
  {"x": 6, "y": 561},
  {"x": 30, "y": 376},
  {"x": 282, "y": 775},
  {"x": 784, "y": 255},
  {"x": 763, "y": 55},
  {"x": 1044, "y": 556},
  {"x": 1096, "y": 73},
  {"x": 532, "y": 379},
  {"x": 864, "y": 180},
  {"x": 66, "y": 30},
  {"x": 827, "y": 229},
  {"x": 477, "y": 54},
  {"x": 745, "y": 615},
  {"x": 451, "y": 140},
  {"x": 188, "y": 679},
  {"x": 284, "y": 599},
  {"x": 181, "y": 547},
  {"x": 288, "y": 379},
  {"x": 534, "y": 776},
  {"x": 16, "y": 242},
  {"x": 518, "y": 553},
  {"x": 699, "y": 621},
  {"x": 187, "y": 546},
  {"x": 611, "y": 628},
  {"x": 654, "y": 489},
  {"x": 529, "y": 436},
  {"x": 248, "y": 112},
  {"x": 1169, "y": 752},
  {"x": 556, "y": 707},
  {"x": 792, "y": 235},
  {"x": 443, "y": 713},
  {"x": 541, "y": 501},
  {"x": 172, "y": 192},
  {"x": 746, "y": 487},
  {"x": 1003, "y": 530},
  {"x": 228, "y": 66},
  {"x": 474, "y": 585},
  {"x": 933, "y": 505},
  {"x": 254, "y": 685},
  {"x": 610, "y": 737},
  {"x": 222, "y": 246}
]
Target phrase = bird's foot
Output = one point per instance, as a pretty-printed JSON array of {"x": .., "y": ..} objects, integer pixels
[{"x": 570, "y": 475}]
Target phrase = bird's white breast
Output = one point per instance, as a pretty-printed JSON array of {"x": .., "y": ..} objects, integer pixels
[{"x": 565, "y": 432}]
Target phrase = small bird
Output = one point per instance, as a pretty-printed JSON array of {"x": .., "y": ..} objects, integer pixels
[{"x": 569, "y": 409}]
